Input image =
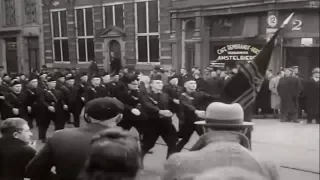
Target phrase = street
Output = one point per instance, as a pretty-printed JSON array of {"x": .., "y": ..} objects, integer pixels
[{"x": 294, "y": 147}]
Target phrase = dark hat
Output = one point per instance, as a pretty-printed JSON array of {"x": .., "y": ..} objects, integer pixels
[
  {"x": 105, "y": 73},
  {"x": 95, "y": 76},
  {"x": 32, "y": 77},
  {"x": 5, "y": 74},
  {"x": 59, "y": 75},
  {"x": 43, "y": 73},
  {"x": 189, "y": 78},
  {"x": 156, "y": 77},
  {"x": 172, "y": 77},
  {"x": 157, "y": 68},
  {"x": 104, "y": 108},
  {"x": 14, "y": 82},
  {"x": 294, "y": 67},
  {"x": 70, "y": 78},
  {"x": 129, "y": 77},
  {"x": 51, "y": 79},
  {"x": 83, "y": 74}
]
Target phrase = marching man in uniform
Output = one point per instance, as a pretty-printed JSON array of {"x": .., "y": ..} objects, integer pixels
[{"x": 157, "y": 106}]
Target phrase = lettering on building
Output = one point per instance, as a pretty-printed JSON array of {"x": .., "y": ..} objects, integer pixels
[{"x": 237, "y": 52}]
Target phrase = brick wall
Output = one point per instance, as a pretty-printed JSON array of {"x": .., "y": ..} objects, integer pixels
[
  {"x": 48, "y": 54},
  {"x": 129, "y": 25},
  {"x": 129, "y": 28}
]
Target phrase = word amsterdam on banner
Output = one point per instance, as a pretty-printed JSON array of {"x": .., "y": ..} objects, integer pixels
[{"x": 237, "y": 52}]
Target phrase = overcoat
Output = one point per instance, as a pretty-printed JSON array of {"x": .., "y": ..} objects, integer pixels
[
  {"x": 222, "y": 149},
  {"x": 275, "y": 98}
]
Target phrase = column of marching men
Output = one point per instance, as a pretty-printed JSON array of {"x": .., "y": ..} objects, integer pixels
[{"x": 149, "y": 104}]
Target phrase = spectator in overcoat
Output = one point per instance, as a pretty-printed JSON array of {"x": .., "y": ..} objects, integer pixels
[
  {"x": 115, "y": 155},
  {"x": 275, "y": 98},
  {"x": 68, "y": 149},
  {"x": 223, "y": 145},
  {"x": 311, "y": 90}
]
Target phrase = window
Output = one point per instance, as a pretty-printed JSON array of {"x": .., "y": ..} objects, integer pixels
[
  {"x": 10, "y": 13},
  {"x": 60, "y": 36},
  {"x": 113, "y": 16},
  {"x": 85, "y": 35},
  {"x": 31, "y": 10},
  {"x": 147, "y": 31}
]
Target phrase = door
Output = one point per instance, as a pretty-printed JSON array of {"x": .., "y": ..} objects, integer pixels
[
  {"x": 115, "y": 52},
  {"x": 190, "y": 57},
  {"x": 33, "y": 52},
  {"x": 11, "y": 55}
]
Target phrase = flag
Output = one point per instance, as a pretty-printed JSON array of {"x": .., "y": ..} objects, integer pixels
[{"x": 243, "y": 87}]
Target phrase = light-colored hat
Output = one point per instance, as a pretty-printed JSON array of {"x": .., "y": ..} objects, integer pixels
[
  {"x": 224, "y": 115},
  {"x": 316, "y": 70},
  {"x": 229, "y": 173}
]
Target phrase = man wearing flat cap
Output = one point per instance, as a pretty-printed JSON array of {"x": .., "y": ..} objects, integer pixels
[
  {"x": 223, "y": 145},
  {"x": 68, "y": 149}
]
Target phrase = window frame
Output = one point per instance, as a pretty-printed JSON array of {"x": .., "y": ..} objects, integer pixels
[
  {"x": 147, "y": 34},
  {"x": 85, "y": 37},
  {"x": 113, "y": 13},
  {"x": 60, "y": 38}
]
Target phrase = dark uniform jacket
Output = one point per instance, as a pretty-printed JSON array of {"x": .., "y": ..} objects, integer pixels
[
  {"x": 31, "y": 99},
  {"x": 131, "y": 99},
  {"x": 13, "y": 100},
  {"x": 153, "y": 103},
  {"x": 190, "y": 102},
  {"x": 67, "y": 150},
  {"x": 14, "y": 157},
  {"x": 174, "y": 92},
  {"x": 92, "y": 93}
]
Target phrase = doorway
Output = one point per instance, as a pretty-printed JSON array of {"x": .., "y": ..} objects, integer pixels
[
  {"x": 11, "y": 55},
  {"x": 307, "y": 58},
  {"x": 115, "y": 54},
  {"x": 190, "y": 56},
  {"x": 33, "y": 52}
]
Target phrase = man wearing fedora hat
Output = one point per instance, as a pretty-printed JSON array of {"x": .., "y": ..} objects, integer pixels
[{"x": 223, "y": 145}]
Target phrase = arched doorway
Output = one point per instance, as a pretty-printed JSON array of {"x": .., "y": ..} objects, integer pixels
[{"x": 115, "y": 54}]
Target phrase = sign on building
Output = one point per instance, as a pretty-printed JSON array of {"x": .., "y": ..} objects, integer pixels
[{"x": 237, "y": 52}]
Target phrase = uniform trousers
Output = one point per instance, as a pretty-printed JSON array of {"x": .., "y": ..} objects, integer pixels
[
  {"x": 160, "y": 127},
  {"x": 44, "y": 123},
  {"x": 185, "y": 132}
]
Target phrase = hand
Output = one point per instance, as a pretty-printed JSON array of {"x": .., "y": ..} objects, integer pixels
[
  {"x": 200, "y": 114},
  {"x": 65, "y": 107},
  {"x": 51, "y": 108},
  {"x": 165, "y": 113},
  {"x": 2, "y": 97},
  {"x": 15, "y": 111},
  {"x": 33, "y": 144},
  {"x": 29, "y": 109},
  {"x": 83, "y": 99},
  {"x": 176, "y": 101},
  {"x": 135, "y": 111}
]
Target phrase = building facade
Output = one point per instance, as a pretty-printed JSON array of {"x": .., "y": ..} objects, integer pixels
[
  {"x": 21, "y": 40},
  {"x": 135, "y": 31},
  {"x": 204, "y": 31}
]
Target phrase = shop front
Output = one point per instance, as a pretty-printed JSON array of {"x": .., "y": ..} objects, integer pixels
[{"x": 301, "y": 43}]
